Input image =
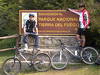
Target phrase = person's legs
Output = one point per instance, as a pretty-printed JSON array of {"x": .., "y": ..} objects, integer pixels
[
  {"x": 81, "y": 37},
  {"x": 25, "y": 41},
  {"x": 78, "y": 36},
  {"x": 36, "y": 41},
  {"x": 79, "y": 43},
  {"x": 83, "y": 40}
]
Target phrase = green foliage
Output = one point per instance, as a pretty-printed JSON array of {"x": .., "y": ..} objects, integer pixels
[
  {"x": 7, "y": 43},
  {"x": 9, "y": 17},
  {"x": 9, "y": 14}
]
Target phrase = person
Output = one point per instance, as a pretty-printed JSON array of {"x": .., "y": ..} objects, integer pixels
[
  {"x": 30, "y": 28},
  {"x": 84, "y": 22}
]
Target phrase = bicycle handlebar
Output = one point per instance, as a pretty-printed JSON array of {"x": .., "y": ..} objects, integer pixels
[{"x": 33, "y": 33}]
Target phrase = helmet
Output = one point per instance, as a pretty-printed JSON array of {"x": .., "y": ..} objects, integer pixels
[{"x": 31, "y": 15}]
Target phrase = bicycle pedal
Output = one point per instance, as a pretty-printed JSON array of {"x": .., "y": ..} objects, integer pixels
[{"x": 78, "y": 57}]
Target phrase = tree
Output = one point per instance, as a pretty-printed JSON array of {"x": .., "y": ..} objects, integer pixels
[
  {"x": 9, "y": 17},
  {"x": 9, "y": 13}
]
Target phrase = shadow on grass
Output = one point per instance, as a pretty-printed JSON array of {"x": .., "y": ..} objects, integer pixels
[{"x": 1, "y": 71}]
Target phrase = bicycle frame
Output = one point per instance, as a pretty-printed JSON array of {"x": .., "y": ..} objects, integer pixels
[
  {"x": 65, "y": 48},
  {"x": 26, "y": 61},
  {"x": 69, "y": 51}
]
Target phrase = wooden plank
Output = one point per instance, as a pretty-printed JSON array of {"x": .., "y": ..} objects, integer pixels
[
  {"x": 7, "y": 37},
  {"x": 2, "y": 50},
  {"x": 48, "y": 50},
  {"x": 48, "y": 22},
  {"x": 57, "y": 36}
]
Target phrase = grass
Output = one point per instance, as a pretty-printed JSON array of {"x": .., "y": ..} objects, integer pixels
[
  {"x": 7, "y": 43},
  {"x": 79, "y": 69},
  {"x": 5, "y": 55}
]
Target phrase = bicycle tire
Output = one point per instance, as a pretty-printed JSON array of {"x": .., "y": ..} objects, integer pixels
[
  {"x": 10, "y": 66},
  {"x": 42, "y": 62},
  {"x": 89, "y": 55},
  {"x": 57, "y": 63}
]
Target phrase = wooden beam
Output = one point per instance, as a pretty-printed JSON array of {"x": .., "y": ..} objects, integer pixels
[
  {"x": 2, "y": 50},
  {"x": 7, "y": 37}
]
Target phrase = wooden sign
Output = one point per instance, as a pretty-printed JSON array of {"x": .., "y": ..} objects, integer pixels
[{"x": 51, "y": 22}]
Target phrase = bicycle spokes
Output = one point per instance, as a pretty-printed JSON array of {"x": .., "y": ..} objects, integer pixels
[
  {"x": 11, "y": 66},
  {"x": 59, "y": 61},
  {"x": 42, "y": 62},
  {"x": 89, "y": 55}
]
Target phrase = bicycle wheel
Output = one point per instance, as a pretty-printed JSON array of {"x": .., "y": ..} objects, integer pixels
[
  {"x": 11, "y": 66},
  {"x": 89, "y": 55},
  {"x": 59, "y": 61},
  {"x": 42, "y": 62}
]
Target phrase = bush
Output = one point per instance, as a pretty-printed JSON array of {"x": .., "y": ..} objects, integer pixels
[
  {"x": 7, "y": 43},
  {"x": 93, "y": 38}
]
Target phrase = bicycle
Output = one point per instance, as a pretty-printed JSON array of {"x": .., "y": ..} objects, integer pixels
[
  {"x": 40, "y": 61},
  {"x": 59, "y": 60}
]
